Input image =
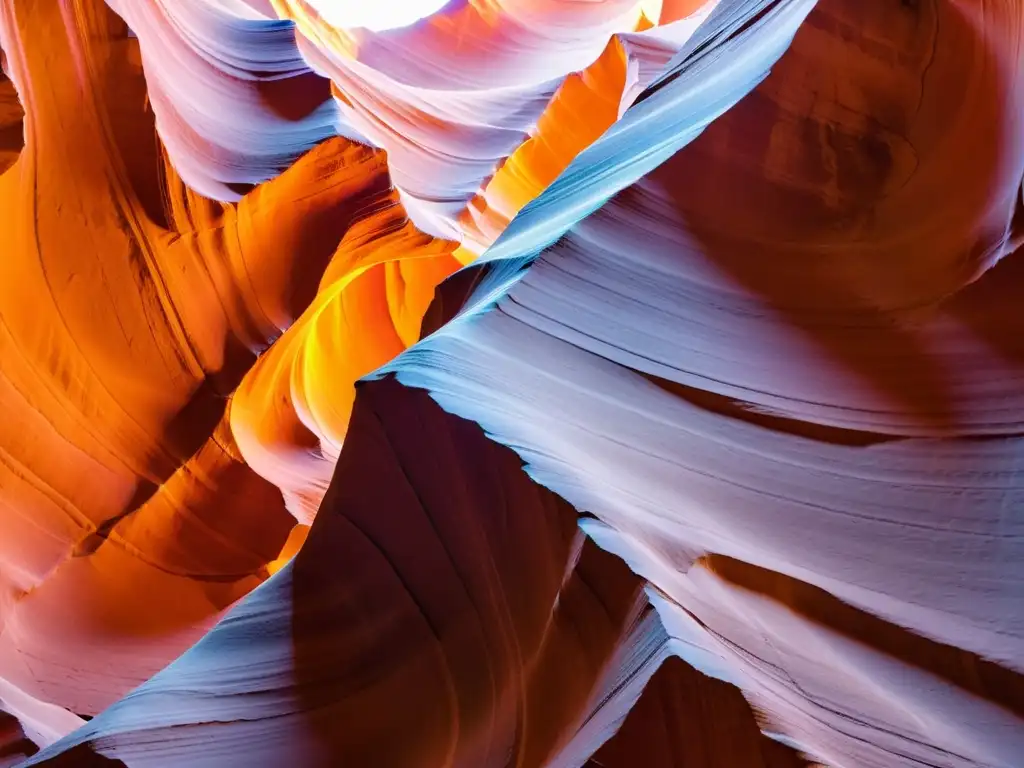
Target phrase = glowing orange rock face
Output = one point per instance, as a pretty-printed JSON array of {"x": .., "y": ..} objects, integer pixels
[{"x": 134, "y": 310}]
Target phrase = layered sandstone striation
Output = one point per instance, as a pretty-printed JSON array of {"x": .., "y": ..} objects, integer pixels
[{"x": 540, "y": 383}]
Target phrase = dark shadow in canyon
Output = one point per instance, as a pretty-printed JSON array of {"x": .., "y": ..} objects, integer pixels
[{"x": 685, "y": 719}]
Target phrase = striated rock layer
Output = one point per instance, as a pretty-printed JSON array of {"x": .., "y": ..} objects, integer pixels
[
  {"x": 445, "y": 609},
  {"x": 132, "y": 311},
  {"x": 710, "y": 458}
]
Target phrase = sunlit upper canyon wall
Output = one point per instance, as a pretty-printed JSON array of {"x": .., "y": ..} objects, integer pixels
[{"x": 512, "y": 383}]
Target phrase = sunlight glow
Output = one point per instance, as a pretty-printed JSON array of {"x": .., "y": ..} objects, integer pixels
[{"x": 376, "y": 15}]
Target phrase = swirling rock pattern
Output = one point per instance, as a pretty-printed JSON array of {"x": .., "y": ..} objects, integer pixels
[{"x": 542, "y": 383}]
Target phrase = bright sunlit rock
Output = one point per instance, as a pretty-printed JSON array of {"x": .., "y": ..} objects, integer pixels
[{"x": 378, "y": 15}]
